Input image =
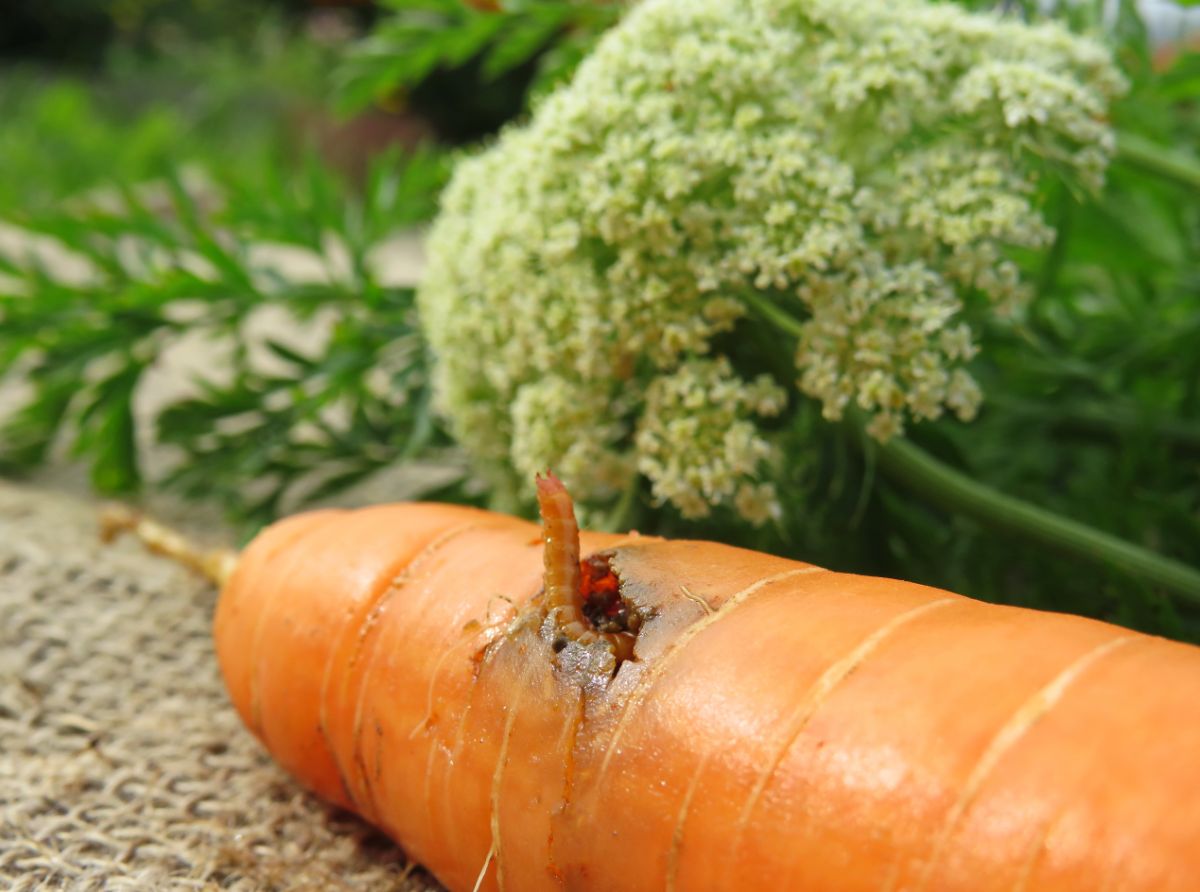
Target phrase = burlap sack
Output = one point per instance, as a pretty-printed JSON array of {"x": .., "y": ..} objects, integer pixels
[{"x": 122, "y": 765}]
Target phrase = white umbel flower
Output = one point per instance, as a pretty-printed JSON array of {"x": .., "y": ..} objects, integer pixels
[{"x": 863, "y": 166}]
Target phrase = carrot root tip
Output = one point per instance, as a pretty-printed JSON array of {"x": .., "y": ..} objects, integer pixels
[{"x": 216, "y": 565}]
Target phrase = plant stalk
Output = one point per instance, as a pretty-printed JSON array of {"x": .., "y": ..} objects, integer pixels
[
  {"x": 1153, "y": 158},
  {"x": 916, "y": 469},
  {"x": 911, "y": 466}
]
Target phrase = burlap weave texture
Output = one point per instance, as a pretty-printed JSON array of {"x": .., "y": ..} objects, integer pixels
[{"x": 122, "y": 765}]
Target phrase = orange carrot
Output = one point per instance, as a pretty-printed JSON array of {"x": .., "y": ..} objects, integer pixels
[{"x": 686, "y": 715}]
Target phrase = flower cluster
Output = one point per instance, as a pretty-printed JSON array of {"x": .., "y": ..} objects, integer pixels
[
  {"x": 698, "y": 443},
  {"x": 862, "y": 166}
]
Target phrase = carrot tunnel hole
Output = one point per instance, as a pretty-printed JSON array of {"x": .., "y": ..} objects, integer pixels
[
  {"x": 604, "y": 613},
  {"x": 600, "y": 589}
]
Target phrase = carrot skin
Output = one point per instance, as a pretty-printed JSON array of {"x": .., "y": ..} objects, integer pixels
[
  {"x": 777, "y": 725},
  {"x": 307, "y": 626},
  {"x": 905, "y": 775},
  {"x": 458, "y": 613},
  {"x": 244, "y": 598}
]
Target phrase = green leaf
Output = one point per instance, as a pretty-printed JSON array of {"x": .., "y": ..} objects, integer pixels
[
  {"x": 286, "y": 353},
  {"x": 523, "y": 40}
]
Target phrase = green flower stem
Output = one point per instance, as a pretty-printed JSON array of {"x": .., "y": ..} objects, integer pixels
[
  {"x": 773, "y": 313},
  {"x": 1167, "y": 163},
  {"x": 912, "y": 467},
  {"x": 623, "y": 515}
]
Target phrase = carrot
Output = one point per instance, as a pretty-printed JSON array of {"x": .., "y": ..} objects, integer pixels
[{"x": 556, "y": 711}]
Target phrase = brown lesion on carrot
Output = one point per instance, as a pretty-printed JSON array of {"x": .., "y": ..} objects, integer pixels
[{"x": 582, "y": 598}]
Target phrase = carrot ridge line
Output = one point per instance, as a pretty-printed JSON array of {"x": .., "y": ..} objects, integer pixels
[
  {"x": 1011, "y": 732},
  {"x": 566, "y": 743},
  {"x": 483, "y": 870},
  {"x": 680, "y": 822},
  {"x": 1034, "y": 853},
  {"x": 816, "y": 694},
  {"x": 498, "y": 773},
  {"x": 452, "y": 827},
  {"x": 655, "y": 671},
  {"x": 487, "y": 633},
  {"x": 393, "y": 581}
]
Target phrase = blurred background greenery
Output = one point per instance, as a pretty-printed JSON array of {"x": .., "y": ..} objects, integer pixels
[{"x": 157, "y": 145}]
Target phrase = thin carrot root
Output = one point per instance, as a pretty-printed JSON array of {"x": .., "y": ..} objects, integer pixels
[
  {"x": 215, "y": 565},
  {"x": 487, "y": 862},
  {"x": 584, "y": 598}
]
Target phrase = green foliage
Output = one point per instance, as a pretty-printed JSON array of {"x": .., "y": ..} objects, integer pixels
[
  {"x": 419, "y": 37},
  {"x": 1093, "y": 395},
  {"x": 238, "y": 101},
  {"x": 57, "y": 143},
  {"x": 177, "y": 262},
  {"x": 319, "y": 419},
  {"x": 83, "y": 31},
  {"x": 153, "y": 187}
]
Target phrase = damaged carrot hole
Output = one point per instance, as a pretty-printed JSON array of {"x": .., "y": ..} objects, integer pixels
[
  {"x": 603, "y": 605},
  {"x": 583, "y": 597}
]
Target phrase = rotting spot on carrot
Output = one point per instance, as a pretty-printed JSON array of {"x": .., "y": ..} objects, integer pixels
[{"x": 583, "y": 598}]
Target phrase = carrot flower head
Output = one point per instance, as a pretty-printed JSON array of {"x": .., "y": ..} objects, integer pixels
[{"x": 861, "y": 167}]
